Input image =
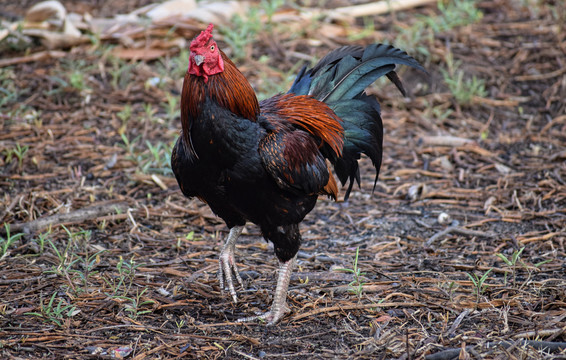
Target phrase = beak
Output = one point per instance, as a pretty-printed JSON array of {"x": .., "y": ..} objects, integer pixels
[{"x": 199, "y": 59}]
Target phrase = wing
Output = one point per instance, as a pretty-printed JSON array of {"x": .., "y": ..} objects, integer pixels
[
  {"x": 291, "y": 156},
  {"x": 301, "y": 133}
]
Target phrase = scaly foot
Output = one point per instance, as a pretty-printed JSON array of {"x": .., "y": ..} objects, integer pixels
[
  {"x": 227, "y": 263},
  {"x": 271, "y": 317},
  {"x": 279, "y": 307}
]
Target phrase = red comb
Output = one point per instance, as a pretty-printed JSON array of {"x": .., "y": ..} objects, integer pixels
[{"x": 203, "y": 38}]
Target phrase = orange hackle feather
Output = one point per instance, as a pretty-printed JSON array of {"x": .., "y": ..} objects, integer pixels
[
  {"x": 230, "y": 89},
  {"x": 312, "y": 115}
]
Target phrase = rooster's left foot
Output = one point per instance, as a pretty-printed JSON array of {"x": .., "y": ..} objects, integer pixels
[
  {"x": 279, "y": 307},
  {"x": 271, "y": 317}
]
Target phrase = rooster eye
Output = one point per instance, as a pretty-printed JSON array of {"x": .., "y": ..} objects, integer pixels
[{"x": 211, "y": 47}]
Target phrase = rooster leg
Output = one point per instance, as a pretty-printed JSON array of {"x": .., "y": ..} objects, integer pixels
[
  {"x": 279, "y": 307},
  {"x": 227, "y": 263}
]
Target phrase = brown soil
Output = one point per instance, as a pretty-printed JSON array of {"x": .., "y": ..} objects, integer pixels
[{"x": 131, "y": 283}]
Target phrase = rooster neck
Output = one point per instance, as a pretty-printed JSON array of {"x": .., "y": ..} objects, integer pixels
[{"x": 229, "y": 89}]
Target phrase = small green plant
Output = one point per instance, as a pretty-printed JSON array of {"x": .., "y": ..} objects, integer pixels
[
  {"x": 125, "y": 279},
  {"x": 160, "y": 160},
  {"x": 479, "y": 283},
  {"x": 66, "y": 261},
  {"x": 18, "y": 152},
  {"x": 102, "y": 225},
  {"x": 189, "y": 237},
  {"x": 134, "y": 308},
  {"x": 514, "y": 261},
  {"x": 172, "y": 107},
  {"x": 75, "y": 264},
  {"x": 55, "y": 314},
  {"x": 120, "y": 71},
  {"x": 124, "y": 115},
  {"x": 180, "y": 324},
  {"x": 149, "y": 112},
  {"x": 40, "y": 241},
  {"x": 269, "y": 7},
  {"x": 270, "y": 86},
  {"x": 369, "y": 30},
  {"x": 155, "y": 151},
  {"x": 10, "y": 93},
  {"x": 173, "y": 67},
  {"x": 130, "y": 145},
  {"x": 75, "y": 71},
  {"x": 77, "y": 80},
  {"x": 242, "y": 32},
  {"x": 78, "y": 237},
  {"x": 154, "y": 159},
  {"x": 88, "y": 264},
  {"x": 449, "y": 288},
  {"x": 356, "y": 285},
  {"x": 463, "y": 89},
  {"x": 439, "y": 113},
  {"x": 415, "y": 39},
  {"x": 6, "y": 242},
  {"x": 419, "y": 36},
  {"x": 58, "y": 86},
  {"x": 454, "y": 14}
]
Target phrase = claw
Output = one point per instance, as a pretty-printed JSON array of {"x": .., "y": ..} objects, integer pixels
[
  {"x": 279, "y": 307},
  {"x": 227, "y": 263},
  {"x": 272, "y": 317}
]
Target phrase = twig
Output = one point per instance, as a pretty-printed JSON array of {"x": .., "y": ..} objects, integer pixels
[
  {"x": 354, "y": 307},
  {"x": 77, "y": 216},
  {"x": 538, "y": 238},
  {"x": 35, "y": 278},
  {"x": 347, "y": 288},
  {"x": 457, "y": 322},
  {"x": 542, "y": 332},
  {"x": 453, "y": 141},
  {"x": 244, "y": 355},
  {"x": 537, "y": 77},
  {"x": 539, "y": 345},
  {"x": 373, "y": 8},
  {"x": 42, "y": 55},
  {"x": 159, "y": 348},
  {"x": 494, "y": 102},
  {"x": 458, "y": 230}
]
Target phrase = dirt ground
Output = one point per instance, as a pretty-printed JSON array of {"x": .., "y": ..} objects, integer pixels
[{"x": 461, "y": 245}]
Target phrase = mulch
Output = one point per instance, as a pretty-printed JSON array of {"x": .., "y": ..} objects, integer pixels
[{"x": 115, "y": 262}]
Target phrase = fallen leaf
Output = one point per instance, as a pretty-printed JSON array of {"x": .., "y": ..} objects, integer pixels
[
  {"x": 171, "y": 8},
  {"x": 138, "y": 54},
  {"x": 383, "y": 318},
  {"x": 218, "y": 13},
  {"x": 44, "y": 11}
]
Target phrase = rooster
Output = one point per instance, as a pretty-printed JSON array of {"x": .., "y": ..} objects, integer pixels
[{"x": 268, "y": 162}]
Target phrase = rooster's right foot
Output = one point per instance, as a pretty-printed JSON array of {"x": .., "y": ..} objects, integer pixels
[{"x": 227, "y": 263}]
